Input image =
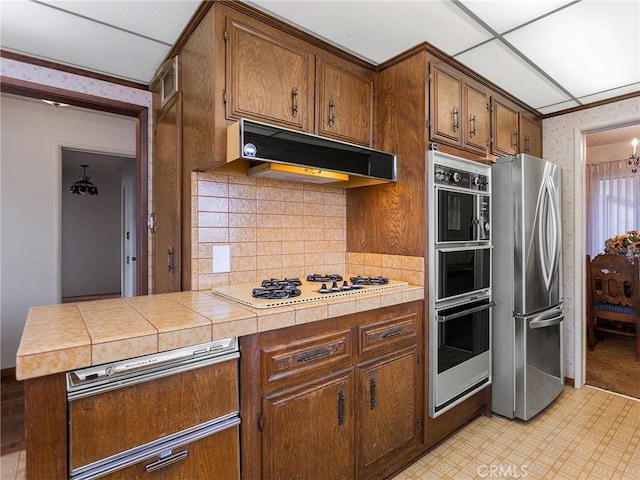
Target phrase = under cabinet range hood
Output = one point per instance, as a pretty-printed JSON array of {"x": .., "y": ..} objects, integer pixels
[{"x": 261, "y": 150}]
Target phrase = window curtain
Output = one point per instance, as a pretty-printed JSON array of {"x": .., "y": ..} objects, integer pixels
[{"x": 613, "y": 202}]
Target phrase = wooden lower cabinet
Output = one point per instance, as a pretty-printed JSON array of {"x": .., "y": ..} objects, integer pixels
[
  {"x": 353, "y": 409},
  {"x": 386, "y": 408},
  {"x": 308, "y": 432}
]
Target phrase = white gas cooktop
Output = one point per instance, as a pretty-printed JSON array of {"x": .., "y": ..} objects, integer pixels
[{"x": 309, "y": 292}]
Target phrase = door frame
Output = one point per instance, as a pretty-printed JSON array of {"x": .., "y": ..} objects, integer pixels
[
  {"x": 580, "y": 241},
  {"x": 141, "y": 114}
]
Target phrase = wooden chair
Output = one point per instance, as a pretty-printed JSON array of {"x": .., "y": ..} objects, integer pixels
[{"x": 613, "y": 298}]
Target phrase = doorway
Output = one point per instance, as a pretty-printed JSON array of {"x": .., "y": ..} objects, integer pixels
[
  {"x": 611, "y": 194},
  {"x": 97, "y": 231},
  {"x": 141, "y": 114}
]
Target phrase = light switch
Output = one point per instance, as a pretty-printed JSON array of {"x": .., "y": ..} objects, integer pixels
[{"x": 221, "y": 258}]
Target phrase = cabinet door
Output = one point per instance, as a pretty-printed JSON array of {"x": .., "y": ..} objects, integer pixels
[
  {"x": 308, "y": 432},
  {"x": 530, "y": 136},
  {"x": 476, "y": 118},
  {"x": 387, "y": 408},
  {"x": 504, "y": 124},
  {"x": 445, "y": 105},
  {"x": 268, "y": 74},
  {"x": 167, "y": 179},
  {"x": 345, "y": 103}
]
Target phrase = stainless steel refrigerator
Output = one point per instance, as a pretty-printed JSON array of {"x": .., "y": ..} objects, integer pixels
[{"x": 527, "y": 334}]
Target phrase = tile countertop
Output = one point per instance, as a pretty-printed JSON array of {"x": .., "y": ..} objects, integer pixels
[{"x": 64, "y": 337}]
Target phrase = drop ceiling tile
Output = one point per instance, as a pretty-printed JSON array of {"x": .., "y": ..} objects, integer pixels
[
  {"x": 159, "y": 20},
  {"x": 606, "y": 31},
  {"x": 501, "y": 66},
  {"x": 39, "y": 31},
  {"x": 378, "y": 30},
  {"x": 520, "y": 12}
]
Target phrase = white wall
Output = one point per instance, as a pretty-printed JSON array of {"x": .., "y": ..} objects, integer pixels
[
  {"x": 33, "y": 134},
  {"x": 91, "y": 232},
  {"x": 564, "y": 146}
]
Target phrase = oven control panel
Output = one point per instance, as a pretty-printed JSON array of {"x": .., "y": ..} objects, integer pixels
[{"x": 460, "y": 178}]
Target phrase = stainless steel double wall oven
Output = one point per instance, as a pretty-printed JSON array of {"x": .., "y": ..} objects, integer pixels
[{"x": 460, "y": 299}]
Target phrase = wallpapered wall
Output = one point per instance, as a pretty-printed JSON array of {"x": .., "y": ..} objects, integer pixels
[{"x": 563, "y": 145}]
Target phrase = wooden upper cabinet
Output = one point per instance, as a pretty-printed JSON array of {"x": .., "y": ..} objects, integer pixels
[
  {"x": 167, "y": 190},
  {"x": 445, "y": 91},
  {"x": 458, "y": 109},
  {"x": 504, "y": 125},
  {"x": 269, "y": 75},
  {"x": 476, "y": 122},
  {"x": 344, "y": 107},
  {"x": 530, "y": 135}
]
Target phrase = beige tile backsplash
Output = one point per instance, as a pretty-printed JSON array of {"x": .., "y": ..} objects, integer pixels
[{"x": 279, "y": 229}]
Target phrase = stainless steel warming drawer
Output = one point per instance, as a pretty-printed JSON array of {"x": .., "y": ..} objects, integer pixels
[{"x": 158, "y": 412}]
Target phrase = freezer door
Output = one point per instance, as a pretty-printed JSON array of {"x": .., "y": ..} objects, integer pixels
[
  {"x": 539, "y": 361},
  {"x": 538, "y": 236}
]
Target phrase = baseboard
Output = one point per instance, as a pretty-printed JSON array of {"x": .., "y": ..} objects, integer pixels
[{"x": 570, "y": 381}]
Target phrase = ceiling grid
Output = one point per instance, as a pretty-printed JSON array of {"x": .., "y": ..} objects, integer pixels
[{"x": 551, "y": 54}]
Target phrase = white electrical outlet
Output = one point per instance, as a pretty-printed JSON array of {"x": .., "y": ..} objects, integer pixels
[{"x": 221, "y": 258}]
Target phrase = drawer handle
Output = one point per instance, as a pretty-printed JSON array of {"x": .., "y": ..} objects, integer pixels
[
  {"x": 472, "y": 121},
  {"x": 314, "y": 354},
  {"x": 392, "y": 332},
  {"x": 341, "y": 407},
  {"x": 373, "y": 393},
  {"x": 166, "y": 458}
]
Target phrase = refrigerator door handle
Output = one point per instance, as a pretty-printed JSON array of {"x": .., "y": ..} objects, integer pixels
[
  {"x": 547, "y": 322},
  {"x": 446, "y": 318},
  {"x": 548, "y": 227}
]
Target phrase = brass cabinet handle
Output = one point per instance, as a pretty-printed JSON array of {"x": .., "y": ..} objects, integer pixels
[
  {"x": 341, "y": 407},
  {"x": 456, "y": 119},
  {"x": 294, "y": 102},
  {"x": 515, "y": 139},
  {"x": 472, "y": 121},
  {"x": 527, "y": 145},
  {"x": 332, "y": 112},
  {"x": 373, "y": 393}
]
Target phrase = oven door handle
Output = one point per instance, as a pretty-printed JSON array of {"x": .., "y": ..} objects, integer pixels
[{"x": 446, "y": 318}]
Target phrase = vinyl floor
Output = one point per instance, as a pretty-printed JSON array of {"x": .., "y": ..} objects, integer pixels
[{"x": 585, "y": 434}]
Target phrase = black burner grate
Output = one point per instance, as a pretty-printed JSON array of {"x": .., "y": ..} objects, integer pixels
[
  {"x": 333, "y": 277},
  {"x": 369, "y": 280}
]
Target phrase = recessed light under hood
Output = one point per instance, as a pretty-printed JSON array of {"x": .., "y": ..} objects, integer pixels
[{"x": 262, "y": 150}]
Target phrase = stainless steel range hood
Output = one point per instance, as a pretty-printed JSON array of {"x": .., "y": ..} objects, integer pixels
[{"x": 262, "y": 150}]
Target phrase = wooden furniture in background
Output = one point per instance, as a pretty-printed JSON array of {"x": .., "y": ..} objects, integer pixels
[{"x": 613, "y": 296}]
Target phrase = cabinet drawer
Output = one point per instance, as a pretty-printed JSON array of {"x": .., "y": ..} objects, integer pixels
[
  {"x": 387, "y": 333},
  {"x": 309, "y": 354},
  {"x": 215, "y": 456},
  {"x": 112, "y": 422}
]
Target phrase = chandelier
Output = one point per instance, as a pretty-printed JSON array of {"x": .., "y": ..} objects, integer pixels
[
  {"x": 84, "y": 186},
  {"x": 634, "y": 160}
]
